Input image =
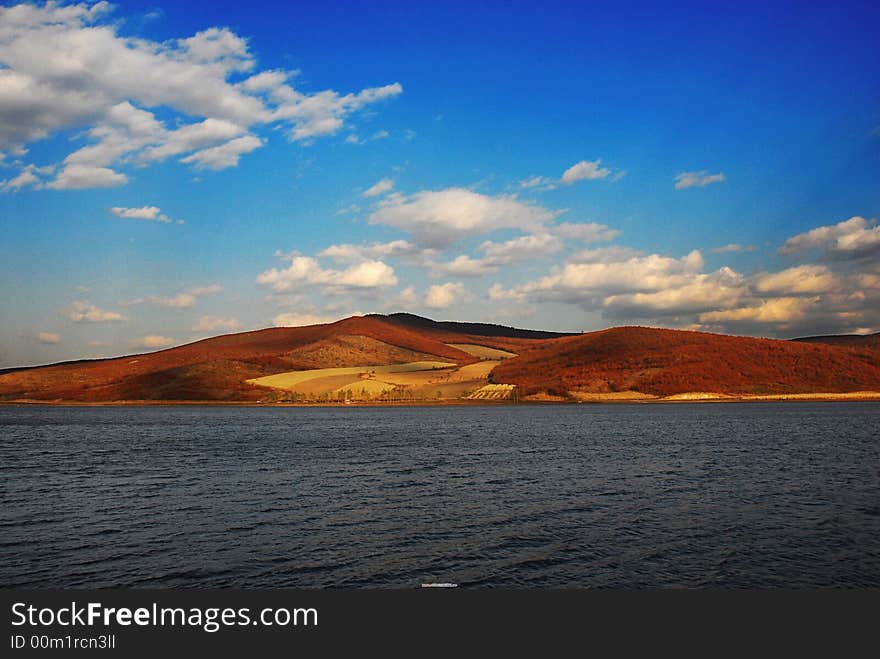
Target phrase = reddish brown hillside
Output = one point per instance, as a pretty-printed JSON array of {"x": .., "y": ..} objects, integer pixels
[
  {"x": 216, "y": 369},
  {"x": 665, "y": 362}
]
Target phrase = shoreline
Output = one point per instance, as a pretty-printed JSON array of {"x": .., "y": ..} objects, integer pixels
[{"x": 599, "y": 399}]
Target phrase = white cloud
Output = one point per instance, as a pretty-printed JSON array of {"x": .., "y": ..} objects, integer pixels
[
  {"x": 797, "y": 280},
  {"x": 443, "y": 296},
  {"x": 49, "y": 338},
  {"x": 625, "y": 284},
  {"x": 379, "y": 188},
  {"x": 610, "y": 254},
  {"x": 305, "y": 271},
  {"x": 322, "y": 113},
  {"x": 153, "y": 341},
  {"x": 538, "y": 182},
  {"x": 522, "y": 248},
  {"x": 464, "y": 266},
  {"x": 81, "y": 177},
  {"x": 700, "y": 179},
  {"x": 440, "y": 218},
  {"x": 68, "y": 66},
  {"x": 635, "y": 274},
  {"x": 515, "y": 250},
  {"x": 265, "y": 81},
  {"x": 150, "y": 213},
  {"x": 348, "y": 253},
  {"x": 215, "y": 323},
  {"x": 585, "y": 170},
  {"x": 191, "y": 137},
  {"x": 696, "y": 293},
  {"x": 26, "y": 178},
  {"x": 852, "y": 238},
  {"x": 82, "y": 311},
  {"x": 225, "y": 155},
  {"x": 774, "y": 310}
]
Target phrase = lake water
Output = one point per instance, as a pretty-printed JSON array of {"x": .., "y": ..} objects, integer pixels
[{"x": 698, "y": 495}]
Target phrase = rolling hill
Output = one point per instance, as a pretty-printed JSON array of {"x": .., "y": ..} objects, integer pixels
[
  {"x": 664, "y": 362},
  {"x": 406, "y": 357}
]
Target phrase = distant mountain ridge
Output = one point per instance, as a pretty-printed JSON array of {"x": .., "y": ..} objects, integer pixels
[
  {"x": 474, "y": 329},
  {"x": 651, "y": 361},
  {"x": 868, "y": 340}
]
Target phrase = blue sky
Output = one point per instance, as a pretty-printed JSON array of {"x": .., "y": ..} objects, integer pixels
[{"x": 176, "y": 171}]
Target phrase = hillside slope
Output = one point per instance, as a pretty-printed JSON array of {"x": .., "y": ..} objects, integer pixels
[
  {"x": 664, "y": 362},
  {"x": 217, "y": 368},
  {"x": 658, "y": 362}
]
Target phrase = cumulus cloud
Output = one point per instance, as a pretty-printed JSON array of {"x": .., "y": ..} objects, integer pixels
[
  {"x": 585, "y": 170},
  {"x": 800, "y": 279},
  {"x": 852, "y": 238},
  {"x": 443, "y": 296},
  {"x": 626, "y": 285},
  {"x": 149, "y": 213},
  {"x": 379, "y": 188},
  {"x": 464, "y": 266},
  {"x": 495, "y": 255},
  {"x": 348, "y": 253},
  {"x": 583, "y": 281},
  {"x": 536, "y": 182},
  {"x": 696, "y": 292},
  {"x": 700, "y": 179},
  {"x": 225, "y": 155},
  {"x": 26, "y": 178},
  {"x": 215, "y": 323},
  {"x": 440, "y": 218},
  {"x": 775, "y": 310},
  {"x": 522, "y": 248},
  {"x": 49, "y": 338},
  {"x": 152, "y": 341},
  {"x": 81, "y": 177},
  {"x": 69, "y": 66},
  {"x": 306, "y": 271},
  {"x": 82, "y": 311}
]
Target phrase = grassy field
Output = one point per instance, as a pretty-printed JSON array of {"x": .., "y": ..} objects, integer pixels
[
  {"x": 422, "y": 380},
  {"x": 291, "y": 379}
]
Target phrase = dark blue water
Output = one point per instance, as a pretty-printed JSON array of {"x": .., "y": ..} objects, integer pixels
[{"x": 699, "y": 495}]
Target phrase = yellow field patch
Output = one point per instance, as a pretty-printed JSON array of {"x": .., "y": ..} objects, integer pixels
[
  {"x": 290, "y": 380},
  {"x": 478, "y": 371},
  {"x": 362, "y": 389},
  {"x": 483, "y": 352}
]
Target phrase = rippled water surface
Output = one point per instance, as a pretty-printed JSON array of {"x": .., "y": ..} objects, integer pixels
[{"x": 729, "y": 495}]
